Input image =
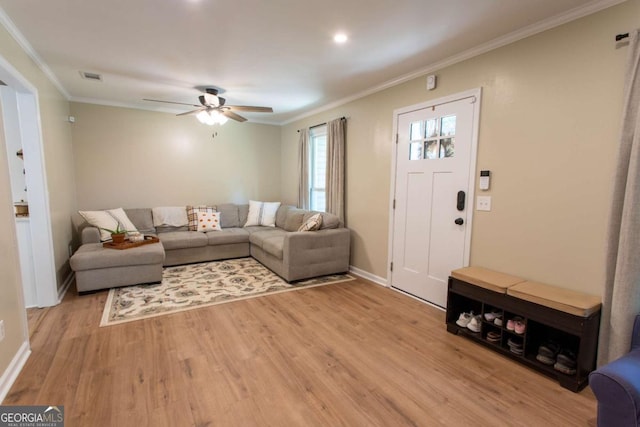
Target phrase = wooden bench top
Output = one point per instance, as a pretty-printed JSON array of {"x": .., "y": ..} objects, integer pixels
[
  {"x": 485, "y": 278},
  {"x": 572, "y": 302}
]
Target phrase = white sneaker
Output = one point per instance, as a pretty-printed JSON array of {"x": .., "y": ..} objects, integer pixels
[
  {"x": 464, "y": 319},
  {"x": 475, "y": 324}
]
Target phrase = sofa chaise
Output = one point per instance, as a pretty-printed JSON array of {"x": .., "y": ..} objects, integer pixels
[{"x": 291, "y": 254}]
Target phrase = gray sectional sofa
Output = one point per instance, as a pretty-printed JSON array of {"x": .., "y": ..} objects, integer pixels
[{"x": 291, "y": 254}]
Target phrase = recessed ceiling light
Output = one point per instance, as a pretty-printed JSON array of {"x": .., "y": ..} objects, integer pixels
[{"x": 340, "y": 38}]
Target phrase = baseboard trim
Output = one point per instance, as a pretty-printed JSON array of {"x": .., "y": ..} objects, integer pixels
[
  {"x": 369, "y": 276},
  {"x": 13, "y": 370},
  {"x": 65, "y": 286}
]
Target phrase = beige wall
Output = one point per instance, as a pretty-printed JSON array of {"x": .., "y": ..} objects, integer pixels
[
  {"x": 134, "y": 158},
  {"x": 548, "y": 132},
  {"x": 58, "y": 158}
]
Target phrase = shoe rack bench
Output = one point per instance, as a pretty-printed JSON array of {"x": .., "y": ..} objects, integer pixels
[{"x": 568, "y": 318}]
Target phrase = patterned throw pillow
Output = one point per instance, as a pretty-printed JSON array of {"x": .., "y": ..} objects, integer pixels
[
  {"x": 312, "y": 224},
  {"x": 262, "y": 213},
  {"x": 209, "y": 221},
  {"x": 192, "y": 215}
]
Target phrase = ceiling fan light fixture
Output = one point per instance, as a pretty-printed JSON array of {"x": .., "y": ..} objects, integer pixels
[{"x": 211, "y": 117}]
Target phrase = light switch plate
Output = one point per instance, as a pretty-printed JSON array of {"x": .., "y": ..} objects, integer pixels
[
  {"x": 1, "y": 330},
  {"x": 483, "y": 203}
]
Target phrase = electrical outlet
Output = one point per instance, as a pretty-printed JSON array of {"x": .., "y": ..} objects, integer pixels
[
  {"x": 1, "y": 330},
  {"x": 483, "y": 203}
]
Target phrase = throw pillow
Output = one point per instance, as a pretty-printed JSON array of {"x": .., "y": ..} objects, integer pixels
[
  {"x": 101, "y": 220},
  {"x": 208, "y": 221},
  {"x": 312, "y": 224},
  {"x": 120, "y": 216},
  {"x": 262, "y": 213},
  {"x": 193, "y": 215}
]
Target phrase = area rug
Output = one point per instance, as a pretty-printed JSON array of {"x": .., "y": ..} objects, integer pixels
[{"x": 199, "y": 285}]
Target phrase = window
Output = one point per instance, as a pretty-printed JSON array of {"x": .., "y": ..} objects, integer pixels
[{"x": 318, "y": 168}]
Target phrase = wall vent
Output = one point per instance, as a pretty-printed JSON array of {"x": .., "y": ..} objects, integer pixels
[{"x": 91, "y": 76}]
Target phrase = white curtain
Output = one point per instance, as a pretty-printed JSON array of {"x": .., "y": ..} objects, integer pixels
[
  {"x": 335, "y": 167},
  {"x": 303, "y": 169},
  {"x": 621, "y": 301}
]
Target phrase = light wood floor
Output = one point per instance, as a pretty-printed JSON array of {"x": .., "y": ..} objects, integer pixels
[{"x": 353, "y": 354}]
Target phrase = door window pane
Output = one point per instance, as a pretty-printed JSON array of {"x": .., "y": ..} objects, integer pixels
[
  {"x": 447, "y": 148},
  {"x": 415, "y": 151},
  {"x": 431, "y": 149},
  {"x": 448, "y": 126},
  {"x": 415, "y": 131},
  {"x": 432, "y": 128}
]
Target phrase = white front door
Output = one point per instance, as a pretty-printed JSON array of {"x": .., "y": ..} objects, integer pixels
[{"x": 435, "y": 158}]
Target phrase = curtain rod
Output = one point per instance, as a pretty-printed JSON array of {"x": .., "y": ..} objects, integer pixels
[
  {"x": 621, "y": 36},
  {"x": 322, "y": 124}
]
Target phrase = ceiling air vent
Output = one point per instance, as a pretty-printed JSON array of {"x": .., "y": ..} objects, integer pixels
[{"x": 91, "y": 76}]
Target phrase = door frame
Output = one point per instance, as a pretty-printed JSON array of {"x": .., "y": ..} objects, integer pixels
[
  {"x": 27, "y": 122},
  {"x": 477, "y": 93}
]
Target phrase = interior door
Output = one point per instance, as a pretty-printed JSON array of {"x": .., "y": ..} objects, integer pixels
[{"x": 432, "y": 202}]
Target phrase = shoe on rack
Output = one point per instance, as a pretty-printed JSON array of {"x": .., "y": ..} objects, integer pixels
[
  {"x": 490, "y": 317},
  {"x": 464, "y": 319},
  {"x": 564, "y": 369},
  {"x": 475, "y": 324},
  {"x": 497, "y": 321},
  {"x": 493, "y": 336},
  {"x": 549, "y": 350},
  {"x": 567, "y": 358},
  {"x": 519, "y": 326},
  {"x": 545, "y": 360}
]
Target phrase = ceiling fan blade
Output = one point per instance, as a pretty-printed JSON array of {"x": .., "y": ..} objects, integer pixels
[
  {"x": 250, "y": 108},
  {"x": 233, "y": 116},
  {"x": 192, "y": 112},
  {"x": 170, "y": 102}
]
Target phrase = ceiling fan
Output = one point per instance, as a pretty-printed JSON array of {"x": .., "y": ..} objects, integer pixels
[{"x": 213, "y": 109}]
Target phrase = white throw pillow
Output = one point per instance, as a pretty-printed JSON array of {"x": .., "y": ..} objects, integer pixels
[
  {"x": 312, "y": 224},
  {"x": 262, "y": 213},
  {"x": 100, "y": 219},
  {"x": 120, "y": 216},
  {"x": 208, "y": 221}
]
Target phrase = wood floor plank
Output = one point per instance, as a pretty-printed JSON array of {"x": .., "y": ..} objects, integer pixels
[{"x": 345, "y": 354}]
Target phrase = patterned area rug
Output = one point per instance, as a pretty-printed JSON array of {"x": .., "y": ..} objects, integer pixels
[{"x": 199, "y": 285}]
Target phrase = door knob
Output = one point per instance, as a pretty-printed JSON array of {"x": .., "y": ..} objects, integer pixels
[{"x": 459, "y": 221}]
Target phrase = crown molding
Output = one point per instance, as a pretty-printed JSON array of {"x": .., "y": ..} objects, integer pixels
[
  {"x": 11, "y": 28},
  {"x": 528, "y": 31}
]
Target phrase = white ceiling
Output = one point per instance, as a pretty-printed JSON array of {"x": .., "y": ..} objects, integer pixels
[{"x": 276, "y": 53}]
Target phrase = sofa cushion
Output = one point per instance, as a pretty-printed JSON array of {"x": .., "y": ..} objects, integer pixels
[
  {"x": 243, "y": 213},
  {"x": 273, "y": 245},
  {"x": 183, "y": 239},
  {"x": 142, "y": 219},
  {"x": 228, "y": 236},
  {"x": 258, "y": 237},
  {"x": 313, "y": 223},
  {"x": 281, "y": 215},
  {"x": 93, "y": 256},
  {"x": 328, "y": 220},
  {"x": 294, "y": 219},
  {"x": 229, "y": 215}
]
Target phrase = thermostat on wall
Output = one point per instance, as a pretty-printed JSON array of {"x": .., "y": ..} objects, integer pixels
[{"x": 485, "y": 177}]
